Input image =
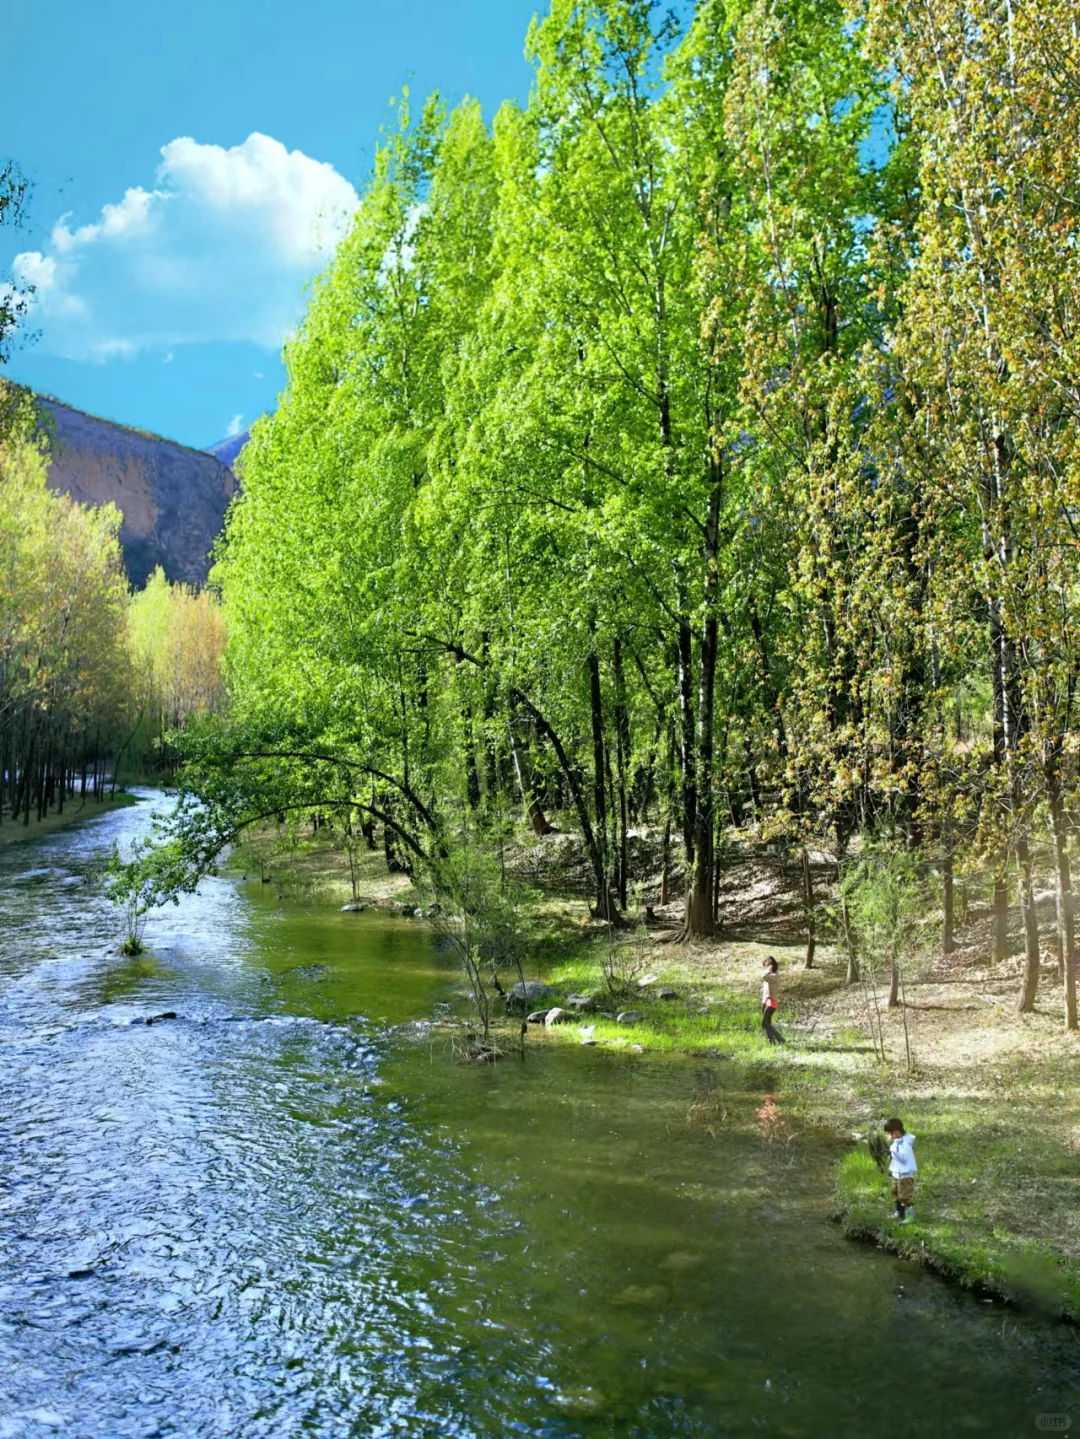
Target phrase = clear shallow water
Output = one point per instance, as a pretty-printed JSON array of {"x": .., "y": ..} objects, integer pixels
[{"x": 288, "y": 1213}]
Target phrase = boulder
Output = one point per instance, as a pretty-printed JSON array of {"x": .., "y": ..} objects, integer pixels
[
  {"x": 537, "y": 1017},
  {"x": 528, "y": 995},
  {"x": 666, "y": 994},
  {"x": 353, "y": 908},
  {"x": 647, "y": 979},
  {"x": 629, "y": 1016},
  {"x": 557, "y": 1016},
  {"x": 579, "y": 1002}
]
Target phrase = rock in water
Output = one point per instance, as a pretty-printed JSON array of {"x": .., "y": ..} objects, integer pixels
[
  {"x": 588, "y": 1034},
  {"x": 353, "y": 908},
  {"x": 643, "y": 1296},
  {"x": 681, "y": 1262},
  {"x": 528, "y": 995}
]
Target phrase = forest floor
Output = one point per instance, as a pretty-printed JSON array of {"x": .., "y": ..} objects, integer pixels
[
  {"x": 75, "y": 812},
  {"x": 991, "y": 1094}
]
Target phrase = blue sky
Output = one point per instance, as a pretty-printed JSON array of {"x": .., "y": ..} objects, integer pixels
[{"x": 192, "y": 164}]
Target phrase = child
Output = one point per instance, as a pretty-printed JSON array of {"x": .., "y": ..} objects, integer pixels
[
  {"x": 903, "y": 1168},
  {"x": 769, "y": 1004}
]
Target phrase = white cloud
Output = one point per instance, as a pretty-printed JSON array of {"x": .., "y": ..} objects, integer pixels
[
  {"x": 236, "y": 425},
  {"x": 220, "y": 249}
]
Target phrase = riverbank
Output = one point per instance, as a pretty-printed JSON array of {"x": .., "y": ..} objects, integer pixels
[
  {"x": 991, "y": 1093},
  {"x": 295, "y": 1183},
  {"x": 75, "y": 812}
]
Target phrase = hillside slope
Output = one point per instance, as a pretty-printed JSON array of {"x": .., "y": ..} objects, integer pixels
[{"x": 173, "y": 499}]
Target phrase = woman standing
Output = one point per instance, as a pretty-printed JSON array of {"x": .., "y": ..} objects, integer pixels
[{"x": 769, "y": 1002}]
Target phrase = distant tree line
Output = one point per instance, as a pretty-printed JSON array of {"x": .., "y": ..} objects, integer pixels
[{"x": 90, "y": 676}]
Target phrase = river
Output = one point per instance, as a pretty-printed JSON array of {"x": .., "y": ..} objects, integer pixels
[{"x": 288, "y": 1211}]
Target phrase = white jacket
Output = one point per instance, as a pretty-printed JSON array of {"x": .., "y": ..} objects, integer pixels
[{"x": 902, "y": 1157}]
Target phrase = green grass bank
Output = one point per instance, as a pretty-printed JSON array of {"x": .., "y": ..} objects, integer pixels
[
  {"x": 75, "y": 812},
  {"x": 991, "y": 1094}
]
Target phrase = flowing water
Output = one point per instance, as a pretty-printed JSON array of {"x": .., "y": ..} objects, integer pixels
[{"x": 288, "y": 1211}]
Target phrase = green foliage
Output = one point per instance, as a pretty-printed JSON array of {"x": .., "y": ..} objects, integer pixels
[
  {"x": 482, "y": 913},
  {"x": 887, "y": 900},
  {"x": 153, "y": 874},
  {"x": 14, "y": 303},
  {"x": 674, "y": 443}
]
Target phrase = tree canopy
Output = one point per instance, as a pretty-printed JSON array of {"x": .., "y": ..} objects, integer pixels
[{"x": 697, "y": 443}]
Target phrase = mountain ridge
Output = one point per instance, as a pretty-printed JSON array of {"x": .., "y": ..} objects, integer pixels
[{"x": 172, "y": 497}]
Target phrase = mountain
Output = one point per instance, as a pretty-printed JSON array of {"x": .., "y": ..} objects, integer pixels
[
  {"x": 227, "y": 450},
  {"x": 173, "y": 499}
]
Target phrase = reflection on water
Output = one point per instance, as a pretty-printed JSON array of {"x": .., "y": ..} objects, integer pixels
[{"x": 286, "y": 1213}]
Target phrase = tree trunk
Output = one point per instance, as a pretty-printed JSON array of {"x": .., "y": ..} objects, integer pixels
[
  {"x": 948, "y": 943},
  {"x": 1001, "y": 917},
  {"x": 524, "y": 771},
  {"x": 755, "y": 790},
  {"x": 852, "y": 975},
  {"x": 599, "y": 756},
  {"x": 665, "y": 856},
  {"x": 1030, "y": 988},
  {"x": 894, "y": 986},
  {"x": 686, "y": 737},
  {"x": 27, "y": 782},
  {"x": 42, "y": 777},
  {"x": 808, "y": 906},
  {"x": 717, "y": 841},
  {"x": 395, "y": 861},
  {"x": 1066, "y": 914},
  {"x": 472, "y": 772},
  {"x": 1000, "y": 741},
  {"x": 622, "y": 760},
  {"x": 604, "y": 906},
  {"x": 699, "y": 905}
]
